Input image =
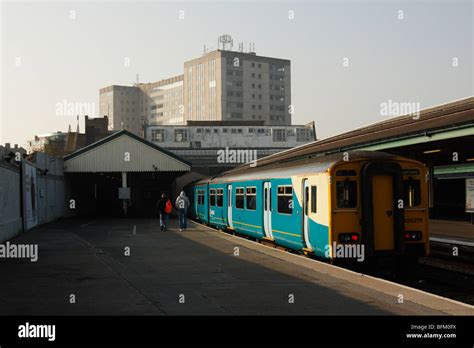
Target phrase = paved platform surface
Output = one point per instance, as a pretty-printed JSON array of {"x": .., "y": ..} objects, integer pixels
[
  {"x": 452, "y": 231},
  {"x": 86, "y": 258}
]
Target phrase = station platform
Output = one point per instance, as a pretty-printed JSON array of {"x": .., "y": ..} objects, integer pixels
[
  {"x": 199, "y": 271},
  {"x": 452, "y": 232}
]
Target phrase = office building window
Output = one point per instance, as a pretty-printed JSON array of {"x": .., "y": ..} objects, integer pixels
[
  {"x": 158, "y": 135},
  {"x": 180, "y": 135},
  {"x": 279, "y": 135}
]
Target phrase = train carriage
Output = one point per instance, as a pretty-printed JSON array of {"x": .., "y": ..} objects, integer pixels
[{"x": 322, "y": 205}]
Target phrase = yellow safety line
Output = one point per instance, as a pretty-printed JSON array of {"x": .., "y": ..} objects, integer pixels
[
  {"x": 243, "y": 223},
  {"x": 291, "y": 234}
]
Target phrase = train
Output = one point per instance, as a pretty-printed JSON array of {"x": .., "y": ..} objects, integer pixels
[{"x": 356, "y": 205}]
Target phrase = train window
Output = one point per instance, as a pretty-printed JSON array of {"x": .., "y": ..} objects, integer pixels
[
  {"x": 346, "y": 194},
  {"x": 346, "y": 172},
  {"x": 200, "y": 197},
  {"x": 251, "y": 198},
  {"x": 239, "y": 198},
  {"x": 212, "y": 197},
  {"x": 220, "y": 197},
  {"x": 412, "y": 192},
  {"x": 285, "y": 199},
  {"x": 314, "y": 194}
]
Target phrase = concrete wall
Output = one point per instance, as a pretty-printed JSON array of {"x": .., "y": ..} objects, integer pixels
[{"x": 10, "y": 213}]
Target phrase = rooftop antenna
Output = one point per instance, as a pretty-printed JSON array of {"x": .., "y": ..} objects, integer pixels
[
  {"x": 241, "y": 47},
  {"x": 226, "y": 41},
  {"x": 77, "y": 131},
  {"x": 138, "y": 79}
]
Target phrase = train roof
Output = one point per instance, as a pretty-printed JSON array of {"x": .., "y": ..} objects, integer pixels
[{"x": 295, "y": 166}]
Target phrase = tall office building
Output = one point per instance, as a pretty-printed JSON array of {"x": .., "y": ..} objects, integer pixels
[{"x": 221, "y": 85}]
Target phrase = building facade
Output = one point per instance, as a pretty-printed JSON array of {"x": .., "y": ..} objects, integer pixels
[
  {"x": 209, "y": 145},
  {"x": 221, "y": 85}
]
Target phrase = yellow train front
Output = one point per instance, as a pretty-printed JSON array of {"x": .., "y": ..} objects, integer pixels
[
  {"x": 380, "y": 204},
  {"x": 348, "y": 206}
]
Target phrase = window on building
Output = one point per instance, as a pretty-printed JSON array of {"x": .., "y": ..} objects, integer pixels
[
  {"x": 253, "y": 85},
  {"x": 251, "y": 198},
  {"x": 180, "y": 135},
  {"x": 253, "y": 74},
  {"x": 253, "y": 65},
  {"x": 239, "y": 198},
  {"x": 259, "y": 86},
  {"x": 285, "y": 199},
  {"x": 346, "y": 193},
  {"x": 279, "y": 135},
  {"x": 158, "y": 135}
]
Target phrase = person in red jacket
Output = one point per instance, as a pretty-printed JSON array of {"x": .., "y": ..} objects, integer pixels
[{"x": 164, "y": 207}]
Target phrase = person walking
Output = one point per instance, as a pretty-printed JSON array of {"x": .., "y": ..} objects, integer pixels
[
  {"x": 182, "y": 204},
  {"x": 164, "y": 209}
]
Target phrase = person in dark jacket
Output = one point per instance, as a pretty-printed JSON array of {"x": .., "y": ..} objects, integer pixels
[
  {"x": 182, "y": 204},
  {"x": 164, "y": 216}
]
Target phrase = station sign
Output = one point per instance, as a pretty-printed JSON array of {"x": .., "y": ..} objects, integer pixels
[{"x": 470, "y": 195}]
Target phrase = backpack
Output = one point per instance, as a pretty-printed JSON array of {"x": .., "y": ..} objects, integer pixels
[{"x": 168, "y": 207}]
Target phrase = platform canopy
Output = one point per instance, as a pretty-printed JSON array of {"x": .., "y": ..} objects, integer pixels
[{"x": 123, "y": 152}]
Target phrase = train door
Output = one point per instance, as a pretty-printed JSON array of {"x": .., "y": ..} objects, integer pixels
[
  {"x": 229, "y": 207},
  {"x": 267, "y": 209},
  {"x": 382, "y": 198},
  {"x": 305, "y": 206},
  {"x": 382, "y": 193}
]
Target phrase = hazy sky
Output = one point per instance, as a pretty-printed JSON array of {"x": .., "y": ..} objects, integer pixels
[{"x": 63, "y": 52}]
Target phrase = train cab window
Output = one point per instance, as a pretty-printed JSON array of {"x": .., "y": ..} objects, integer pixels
[
  {"x": 285, "y": 199},
  {"x": 346, "y": 193},
  {"x": 220, "y": 197},
  {"x": 212, "y": 197},
  {"x": 239, "y": 198},
  {"x": 412, "y": 192},
  {"x": 314, "y": 195},
  {"x": 251, "y": 198}
]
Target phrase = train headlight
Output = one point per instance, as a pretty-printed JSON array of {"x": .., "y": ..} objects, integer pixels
[
  {"x": 412, "y": 235},
  {"x": 349, "y": 237}
]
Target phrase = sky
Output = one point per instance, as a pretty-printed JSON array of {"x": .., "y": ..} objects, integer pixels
[{"x": 348, "y": 58}]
